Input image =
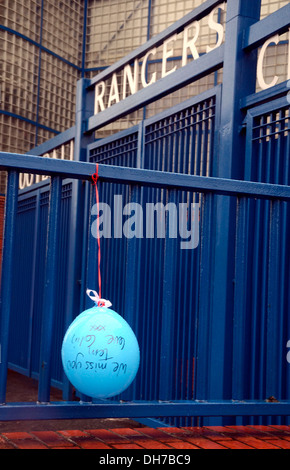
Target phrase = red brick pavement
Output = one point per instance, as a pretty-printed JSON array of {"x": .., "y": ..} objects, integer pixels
[{"x": 213, "y": 437}]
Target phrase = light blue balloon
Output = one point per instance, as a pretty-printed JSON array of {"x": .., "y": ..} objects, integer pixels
[{"x": 100, "y": 353}]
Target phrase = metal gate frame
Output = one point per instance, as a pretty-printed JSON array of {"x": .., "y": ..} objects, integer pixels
[{"x": 244, "y": 34}]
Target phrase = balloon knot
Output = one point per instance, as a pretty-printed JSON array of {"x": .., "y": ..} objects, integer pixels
[{"x": 99, "y": 302}]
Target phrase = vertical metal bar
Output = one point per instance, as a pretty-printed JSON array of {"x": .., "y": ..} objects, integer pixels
[
  {"x": 198, "y": 141},
  {"x": 33, "y": 280},
  {"x": 201, "y": 383},
  {"x": 6, "y": 276},
  {"x": 50, "y": 290},
  {"x": 273, "y": 353},
  {"x": 133, "y": 264},
  {"x": 78, "y": 232},
  {"x": 167, "y": 352},
  {"x": 72, "y": 294},
  {"x": 90, "y": 246},
  {"x": 85, "y": 243},
  {"x": 132, "y": 286},
  {"x": 238, "y": 80},
  {"x": 240, "y": 347}
]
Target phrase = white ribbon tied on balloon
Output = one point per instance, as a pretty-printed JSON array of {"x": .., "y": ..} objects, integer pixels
[{"x": 99, "y": 302}]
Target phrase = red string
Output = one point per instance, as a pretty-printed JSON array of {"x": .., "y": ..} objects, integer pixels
[{"x": 95, "y": 178}]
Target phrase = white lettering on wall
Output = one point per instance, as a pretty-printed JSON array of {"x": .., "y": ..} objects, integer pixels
[
  {"x": 216, "y": 27},
  {"x": 99, "y": 97},
  {"x": 26, "y": 180},
  {"x": 114, "y": 91},
  {"x": 131, "y": 79},
  {"x": 108, "y": 93},
  {"x": 260, "y": 76},
  {"x": 144, "y": 69},
  {"x": 167, "y": 53},
  {"x": 190, "y": 43}
]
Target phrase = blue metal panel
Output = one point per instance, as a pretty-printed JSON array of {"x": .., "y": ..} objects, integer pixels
[
  {"x": 120, "y": 150},
  {"x": 28, "y": 280},
  {"x": 23, "y": 277},
  {"x": 40, "y": 242},
  {"x": 6, "y": 276},
  {"x": 261, "y": 299},
  {"x": 186, "y": 135}
]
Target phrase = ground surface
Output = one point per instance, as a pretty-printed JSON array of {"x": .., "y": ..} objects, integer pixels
[{"x": 125, "y": 433}]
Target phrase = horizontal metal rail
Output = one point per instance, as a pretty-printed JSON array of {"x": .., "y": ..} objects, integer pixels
[
  {"x": 55, "y": 142},
  {"x": 136, "y": 176},
  {"x": 140, "y": 409},
  {"x": 277, "y": 22}
]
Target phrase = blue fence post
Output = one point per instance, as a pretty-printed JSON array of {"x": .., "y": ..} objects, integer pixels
[
  {"x": 133, "y": 264},
  {"x": 203, "y": 356},
  {"x": 6, "y": 276},
  {"x": 239, "y": 77},
  {"x": 34, "y": 279},
  {"x": 241, "y": 318},
  {"x": 50, "y": 290},
  {"x": 75, "y": 284},
  {"x": 273, "y": 379},
  {"x": 167, "y": 351}
]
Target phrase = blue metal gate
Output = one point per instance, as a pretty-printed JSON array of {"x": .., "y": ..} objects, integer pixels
[
  {"x": 28, "y": 280},
  {"x": 212, "y": 321}
]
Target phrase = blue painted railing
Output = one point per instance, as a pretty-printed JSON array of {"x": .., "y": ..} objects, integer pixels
[{"x": 59, "y": 169}]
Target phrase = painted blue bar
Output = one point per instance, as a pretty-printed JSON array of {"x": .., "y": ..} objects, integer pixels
[
  {"x": 133, "y": 271},
  {"x": 125, "y": 175},
  {"x": 268, "y": 107},
  {"x": 265, "y": 96},
  {"x": 238, "y": 81},
  {"x": 84, "y": 109},
  {"x": 6, "y": 276},
  {"x": 33, "y": 280},
  {"x": 50, "y": 290},
  {"x": 54, "y": 142},
  {"x": 141, "y": 409},
  {"x": 75, "y": 284},
  {"x": 274, "y": 327},
  {"x": 169, "y": 293},
  {"x": 73, "y": 277},
  {"x": 195, "y": 70},
  {"x": 212, "y": 92},
  {"x": 240, "y": 315},
  {"x": 111, "y": 138},
  {"x": 259, "y": 32},
  {"x": 201, "y": 379}
]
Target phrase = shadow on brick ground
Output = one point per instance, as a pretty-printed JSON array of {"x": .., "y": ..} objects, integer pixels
[{"x": 24, "y": 389}]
